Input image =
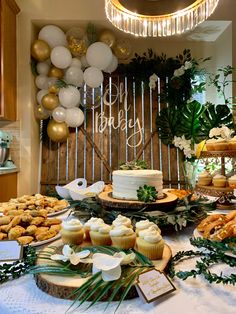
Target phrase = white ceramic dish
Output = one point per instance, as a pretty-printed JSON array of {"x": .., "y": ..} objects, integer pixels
[{"x": 64, "y": 210}]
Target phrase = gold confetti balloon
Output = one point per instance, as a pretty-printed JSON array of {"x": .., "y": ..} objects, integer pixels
[
  {"x": 57, "y": 132},
  {"x": 40, "y": 50},
  {"x": 122, "y": 49},
  {"x": 78, "y": 47},
  {"x": 108, "y": 38},
  {"x": 50, "y": 101}
]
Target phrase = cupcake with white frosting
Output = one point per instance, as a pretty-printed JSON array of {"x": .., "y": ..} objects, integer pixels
[
  {"x": 72, "y": 232},
  {"x": 232, "y": 182},
  {"x": 100, "y": 234},
  {"x": 150, "y": 243},
  {"x": 123, "y": 237},
  {"x": 145, "y": 224},
  {"x": 89, "y": 223},
  {"x": 219, "y": 181},
  {"x": 204, "y": 178},
  {"x": 122, "y": 221}
]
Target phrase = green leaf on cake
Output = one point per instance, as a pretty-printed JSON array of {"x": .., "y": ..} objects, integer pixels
[{"x": 147, "y": 194}]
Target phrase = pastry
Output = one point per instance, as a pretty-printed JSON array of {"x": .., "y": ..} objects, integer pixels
[
  {"x": 145, "y": 224},
  {"x": 88, "y": 224},
  {"x": 46, "y": 235},
  {"x": 37, "y": 221},
  {"x": 56, "y": 228},
  {"x": 150, "y": 243},
  {"x": 16, "y": 232},
  {"x": 72, "y": 232},
  {"x": 122, "y": 221},
  {"x": 206, "y": 221},
  {"x": 50, "y": 222},
  {"x": 123, "y": 237},
  {"x": 40, "y": 230},
  {"x": 30, "y": 230},
  {"x": 100, "y": 234},
  {"x": 3, "y": 236},
  {"x": 5, "y": 220},
  {"x": 204, "y": 178},
  {"x": 219, "y": 181},
  {"x": 25, "y": 240}
]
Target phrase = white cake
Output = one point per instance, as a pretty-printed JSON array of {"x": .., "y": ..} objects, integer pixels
[{"x": 126, "y": 182}]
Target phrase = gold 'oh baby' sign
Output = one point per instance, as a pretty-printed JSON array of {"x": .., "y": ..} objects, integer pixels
[{"x": 122, "y": 122}]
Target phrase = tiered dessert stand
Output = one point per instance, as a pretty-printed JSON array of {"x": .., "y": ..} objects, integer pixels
[{"x": 224, "y": 194}]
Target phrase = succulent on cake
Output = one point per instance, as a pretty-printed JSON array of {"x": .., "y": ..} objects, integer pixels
[
  {"x": 147, "y": 193},
  {"x": 134, "y": 165}
]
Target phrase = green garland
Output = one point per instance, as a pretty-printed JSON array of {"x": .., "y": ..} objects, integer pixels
[
  {"x": 215, "y": 254},
  {"x": 16, "y": 269}
]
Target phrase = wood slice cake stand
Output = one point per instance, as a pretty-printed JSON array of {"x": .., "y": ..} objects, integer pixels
[
  {"x": 166, "y": 203},
  {"x": 63, "y": 286}
]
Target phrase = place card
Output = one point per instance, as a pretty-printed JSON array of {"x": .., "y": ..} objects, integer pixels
[
  {"x": 153, "y": 284},
  {"x": 10, "y": 250}
]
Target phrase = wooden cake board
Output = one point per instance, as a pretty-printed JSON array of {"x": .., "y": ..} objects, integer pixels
[
  {"x": 63, "y": 286},
  {"x": 105, "y": 199}
]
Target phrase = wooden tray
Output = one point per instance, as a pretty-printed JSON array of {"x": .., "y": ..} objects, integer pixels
[
  {"x": 168, "y": 202},
  {"x": 63, "y": 286}
]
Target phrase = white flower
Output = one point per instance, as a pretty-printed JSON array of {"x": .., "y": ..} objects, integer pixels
[
  {"x": 214, "y": 132},
  {"x": 126, "y": 258},
  {"x": 69, "y": 255},
  {"x": 109, "y": 265},
  {"x": 180, "y": 71},
  {"x": 183, "y": 144},
  {"x": 187, "y": 65},
  {"x": 223, "y": 132}
]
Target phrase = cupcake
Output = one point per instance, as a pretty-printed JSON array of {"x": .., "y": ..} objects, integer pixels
[
  {"x": 145, "y": 224},
  {"x": 122, "y": 221},
  {"x": 232, "y": 182},
  {"x": 221, "y": 144},
  {"x": 210, "y": 144},
  {"x": 100, "y": 234},
  {"x": 72, "y": 232},
  {"x": 219, "y": 181},
  {"x": 232, "y": 143},
  {"x": 88, "y": 224},
  {"x": 150, "y": 243},
  {"x": 204, "y": 178},
  {"x": 123, "y": 237}
]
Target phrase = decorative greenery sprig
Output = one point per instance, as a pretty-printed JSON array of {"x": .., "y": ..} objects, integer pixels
[
  {"x": 16, "y": 269},
  {"x": 147, "y": 193},
  {"x": 134, "y": 165},
  {"x": 214, "y": 253}
]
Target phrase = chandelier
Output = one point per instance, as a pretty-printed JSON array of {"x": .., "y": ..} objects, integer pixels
[{"x": 157, "y": 18}]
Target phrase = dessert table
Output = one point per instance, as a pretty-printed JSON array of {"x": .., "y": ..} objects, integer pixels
[{"x": 195, "y": 296}]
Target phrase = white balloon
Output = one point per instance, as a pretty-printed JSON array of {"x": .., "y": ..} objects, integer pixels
[
  {"x": 75, "y": 63},
  {"x": 69, "y": 96},
  {"x": 74, "y": 117},
  {"x": 93, "y": 77},
  {"x": 52, "y": 81},
  {"x": 43, "y": 68},
  {"x": 53, "y": 35},
  {"x": 113, "y": 65},
  {"x": 75, "y": 76},
  {"x": 40, "y": 95},
  {"x": 61, "y": 57},
  {"x": 59, "y": 114},
  {"x": 99, "y": 55},
  {"x": 41, "y": 81},
  {"x": 84, "y": 62}
]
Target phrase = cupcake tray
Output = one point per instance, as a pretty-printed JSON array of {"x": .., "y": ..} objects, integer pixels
[
  {"x": 168, "y": 202},
  {"x": 63, "y": 286},
  {"x": 222, "y": 153}
]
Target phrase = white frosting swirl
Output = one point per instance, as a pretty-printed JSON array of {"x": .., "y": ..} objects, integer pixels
[
  {"x": 145, "y": 224},
  {"x": 204, "y": 174},
  {"x": 104, "y": 229},
  {"x": 150, "y": 235},
  {"x": 93, "y": 220},
  {"x": 72, "y": 225},
  {"x": 233, "y": 178},
  {"x": 96, "y": 225},
  {"x": 219, "y": 176},
  {"x": 121, "y": 231},
  {"x": 122, "y": 221}
]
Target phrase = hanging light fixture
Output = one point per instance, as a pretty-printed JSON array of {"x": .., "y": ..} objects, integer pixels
[{"x": 156, "y": 18}]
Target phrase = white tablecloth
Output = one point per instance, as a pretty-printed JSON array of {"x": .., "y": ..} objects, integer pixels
[{"x": 193, "y": 296}]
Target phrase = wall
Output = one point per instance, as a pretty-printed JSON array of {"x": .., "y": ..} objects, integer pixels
[{"x": 35, "y": 13}]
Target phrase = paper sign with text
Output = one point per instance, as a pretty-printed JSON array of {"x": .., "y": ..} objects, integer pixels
[
  {"x": 153, "y": 284},
  {"x": 10, "y": 250}
]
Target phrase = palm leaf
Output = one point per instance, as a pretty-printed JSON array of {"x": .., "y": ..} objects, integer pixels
[{"x": 102, "y": 293}]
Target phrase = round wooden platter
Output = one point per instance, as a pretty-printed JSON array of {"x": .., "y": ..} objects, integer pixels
[
  {"x": 105, "y": 199},
  {"x": 63, "y": 286}
]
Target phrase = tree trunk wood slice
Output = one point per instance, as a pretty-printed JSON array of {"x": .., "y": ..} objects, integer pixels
[
  {"x": 63, "y": 286},
  {"x": 167, "y": 203}
]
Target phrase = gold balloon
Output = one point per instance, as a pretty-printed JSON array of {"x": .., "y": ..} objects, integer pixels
[
  {"x": 40, "y": 113},
  {"x": 78, "y": 47},
  {"x": 122, "y": 49},
  {"x": 107, "y": 37},
  {"x": 40, "y": 50},
  {"x": 57, "y": 132},
  {"x": 50, "y": 101},
  {"x": 53, "y": 89},
  {"x": 55, "y": 72}
]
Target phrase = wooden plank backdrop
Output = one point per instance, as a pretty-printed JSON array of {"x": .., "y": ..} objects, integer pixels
[{"x": 93, "y": 155}]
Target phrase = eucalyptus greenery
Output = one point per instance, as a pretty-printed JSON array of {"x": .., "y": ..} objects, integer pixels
[
  {"x": 216, "y": 252},
  {"x": 16, "y": 269}
]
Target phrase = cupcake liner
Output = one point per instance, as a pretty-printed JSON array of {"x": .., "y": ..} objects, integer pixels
[
  {"x": 153, "y": 251},
  {"x": 100, "y": 238},
  {"x": 124, "y": 242},
  {"x": 72, "y": 237}
]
